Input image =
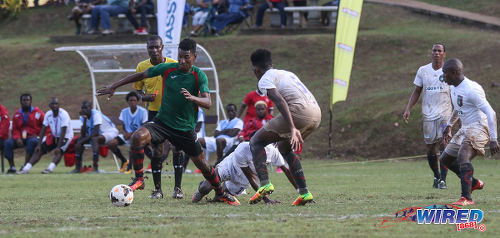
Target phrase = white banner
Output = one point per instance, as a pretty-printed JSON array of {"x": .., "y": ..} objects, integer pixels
[{"x": 170, "y": 14}]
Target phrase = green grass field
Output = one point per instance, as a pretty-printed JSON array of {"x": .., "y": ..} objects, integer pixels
[{"x": 351, "y": 199}]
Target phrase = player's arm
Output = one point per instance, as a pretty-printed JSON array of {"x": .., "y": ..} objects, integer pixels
[
  {"x": 58, "y": 152},
  {"x": 447, "y": 130},
  {"x": 231, "y": 132},
  {"x": 252, "y": 178},
  {"x": 203, "y": 100},
  {"x": 282, "y": 106},
  {"x": 95, "y": 131},
  {"x": 42, "y": 133},
  {"x": 242, "y": 109},
  {"x": 413, "y": 100},
  {"x": 289, "y": 176},
  {"x": 110, "y": 89},
  {"x": 492, "y": 124}
]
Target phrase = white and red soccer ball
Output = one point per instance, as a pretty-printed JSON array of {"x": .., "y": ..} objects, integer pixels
[{"x": 121, "y": 195}]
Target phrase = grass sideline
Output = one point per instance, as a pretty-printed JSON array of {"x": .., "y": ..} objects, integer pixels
[{"x": 350, "y": 200}]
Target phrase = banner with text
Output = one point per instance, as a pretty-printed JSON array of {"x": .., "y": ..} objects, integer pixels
[
  {"x": 349, "y": 14},
  {"x": 170, "y": 15}
]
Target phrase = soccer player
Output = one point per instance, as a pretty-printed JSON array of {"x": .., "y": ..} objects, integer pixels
[
  {"x": 479, "y": 125},
  {"x": 299, "y": 116},
  {"x": 436, "y": 109},
  {"x": 26, "y": 125},
  {"x": 186, "y": 89},
  {"x": 238, "y": 172},
  {"x": 4, "y": 125},
  {"x": 97, "y": 129},
  {"x": 58, "y": 120},
  {"x": 151, "y": 90}
]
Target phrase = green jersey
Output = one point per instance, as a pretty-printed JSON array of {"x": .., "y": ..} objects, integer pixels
[{"x": 176, "y": 111}]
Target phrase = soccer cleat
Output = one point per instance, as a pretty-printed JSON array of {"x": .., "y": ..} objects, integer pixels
[
  {"x": 148, "y": 170},
  {"x": 177, "y": 193},
  {"x": 156, "y": 194},
  {"x": 23, "y": 172},
  {"x": 137, "y": 184},
  {"x": 436, "y": 183},
  {"x": 124, "y": 167},
  {"x": 463, "y": 201},
  {"x": 261, "y": 192},
  {"x": 479, "y": 186},
  {"x": 11, "y": 171},
  {"x": 227, "y": 198},
  {"x": 128, "y": 172},
  {"x": 303, "y": 199},
  {"x": 46, "y": 171},
  {"x": 75, "y": 171},
  {"x": 197, "y": 196},
  {"x": 442, "y": 185}
]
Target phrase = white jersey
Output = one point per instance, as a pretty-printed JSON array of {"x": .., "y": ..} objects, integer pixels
[
  {"x": 436, "y": 102},
  {"x": 242, "y": 157},
  {"x": 56, "y": 123},
  {"x": 467, "y": 98},
  {"x": 289, "y": 86}
]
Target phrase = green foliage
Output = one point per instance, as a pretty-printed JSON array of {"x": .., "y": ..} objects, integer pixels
[{"x": 10, "y": 8}]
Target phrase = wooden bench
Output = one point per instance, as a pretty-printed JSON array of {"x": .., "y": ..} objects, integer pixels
[
  {"x": 294, "y": 15},
  {"x": 124, "y": 25}
]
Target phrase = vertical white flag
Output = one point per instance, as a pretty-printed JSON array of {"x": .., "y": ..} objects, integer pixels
[{"x": 170, "y": 15}]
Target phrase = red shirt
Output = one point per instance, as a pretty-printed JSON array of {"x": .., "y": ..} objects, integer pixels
[
  {"x": 4, "y": 123},
  {"x": 250, "y": 101},
  {"x": 253, "y": 125},
  {"x": 33, "y": 125}
]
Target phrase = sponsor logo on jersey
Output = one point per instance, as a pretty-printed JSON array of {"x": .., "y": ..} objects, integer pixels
[
  {"x": 441, "y": 78},
  {"x": 460, "y": 100}
]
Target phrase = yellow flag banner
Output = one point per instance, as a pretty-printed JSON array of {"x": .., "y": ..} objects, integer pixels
[{"x": 349, "y": 14}]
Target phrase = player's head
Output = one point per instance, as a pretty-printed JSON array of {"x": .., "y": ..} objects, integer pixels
[
  {"x": 231, "y": 111},
  {"x": 54, "y": 105},
  {"x": 132, "y": 99},
  {"x": 25, "y": 100},
  {"x": 438, "y": 52},
  {"x": 453, "y": 71},
  {"x": 261, "y": 62},
  {"x": 261, "y": 109},
  {"x": 155, "y": 47},
  {"x": 186, "y": 54},
  {"x": 86, "y": 109}
]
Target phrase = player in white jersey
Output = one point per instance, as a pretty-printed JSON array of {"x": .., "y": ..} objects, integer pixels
[
  {"x": 58, "y": 120},
  {"x": 238, "y": 172},
  {"x": 479, "y": 126},
  {"x": 299, "y": 116},
  {"x": 436, "y": 109}
]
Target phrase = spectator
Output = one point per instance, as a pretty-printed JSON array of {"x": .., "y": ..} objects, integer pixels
[
  {"x": 58, "y": 120},
  {"x": 255, "y": 123},
  {"x": 251, "y": 99},
  {"x": 113, "y": 8},
  {"x": 187, "y": 12},
  {"x": 225, "y": 134},
  {"x": 143, "y": 7},
  {"x": 235, "y": 13},
  {"x": 201, "y": 15},
  {"x": 280, "y": 4},
  {"x": 82, "y": 7},
  {"x": 4, "y": 125},
  {"x": 97, "y": 129},
  {"x": 26, "y": 126},
  {"x": 300, "y": 3},
  {"x": 132, "y": 118}
]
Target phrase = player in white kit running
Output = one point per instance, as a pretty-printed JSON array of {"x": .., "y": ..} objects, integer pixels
[
  {"x": 238, "y": 172},
  {"x": 436, "y": 109},
  {"x": 479, "y": 125}
]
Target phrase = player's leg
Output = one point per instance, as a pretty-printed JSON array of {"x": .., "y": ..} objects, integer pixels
[
  {"x": 432, "y": 160},
  {"x": 97, "y": 141},
  {"x": 156, "y": 168},
  {"x": 58, "y": 154},
  {"x": 79, "y": 148},
  {"x": 465, "y": 155},
  {"x": 221, "y": 145},
  {"x": 204, "y": 189},
  {"x": 140, "y": 139},
  {"x": 442, "y": 167},
  {"x": 177, "y": 161},
  {"x": 113, "y": 146},
  {"x": 30, "y": 145},
  {"x": 35, "y": 157}
]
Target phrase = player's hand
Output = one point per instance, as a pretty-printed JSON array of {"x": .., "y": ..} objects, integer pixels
[
  {"x": 149, "y": 97},
  {"x": 447, "y": 134},
  {"x": 494, "y": 147},
  {"x": 127, "y": 135},
  {"x": 186, "y": 94},
  {"x": 296, "y": 139},
  {"x": 406, "y": 116},
  {"x": 132, "y": 10},
  {"x": 267, "y": 200},
  {"x": 109, "y": 90}
]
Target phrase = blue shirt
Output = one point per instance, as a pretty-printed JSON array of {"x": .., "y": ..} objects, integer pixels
[
  {"x": 97, "y": 118},
  {"x": 232, "y": 124},
  {"x": 133, "y": 121},
  {"x": 234, "y": 5}
]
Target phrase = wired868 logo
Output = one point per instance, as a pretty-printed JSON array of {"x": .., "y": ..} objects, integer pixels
[{"x": 440, "y": 214}]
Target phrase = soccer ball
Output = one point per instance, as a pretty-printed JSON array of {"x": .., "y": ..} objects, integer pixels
[{"x": 121, "y": 195}]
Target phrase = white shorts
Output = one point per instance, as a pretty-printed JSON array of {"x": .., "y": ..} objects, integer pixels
[
  {"x": 235, "y": 182},
  {"x": 211, "y": 145},
  {"x": 200, "y": 17},
  {"x": 476, "y": 134},
  {"x": 433, "y": 130},
  {"x": 109, "y": 135}
]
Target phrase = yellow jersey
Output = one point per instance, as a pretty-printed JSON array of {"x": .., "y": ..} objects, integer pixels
[{"x": 151, "y": 85}]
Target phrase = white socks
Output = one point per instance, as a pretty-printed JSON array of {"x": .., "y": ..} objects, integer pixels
[
  {"x": 27, "y": 167},
  {"x": 51, "y": 166}
]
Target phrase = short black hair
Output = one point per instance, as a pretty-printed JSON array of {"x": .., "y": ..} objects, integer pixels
[
  {"x": 132, "y": 94},
  {"x": 87, "y": 103},
  {"x": 154, "y": 38},
  {"x": 231, "y": 105},
  {"x": 261, "y": 58},
  {"x": 441, "y": 44},
  {"x": 188, "y": 44},
  {"x": 25, "y": 95}
]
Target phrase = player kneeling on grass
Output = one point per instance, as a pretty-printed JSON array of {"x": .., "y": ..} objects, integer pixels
[
  {"x": 58, "y": 120},
  {"x": 238, "y": 172},
  {"x": 478, "y": 118},
  {"x": 186, "y": 89}
]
